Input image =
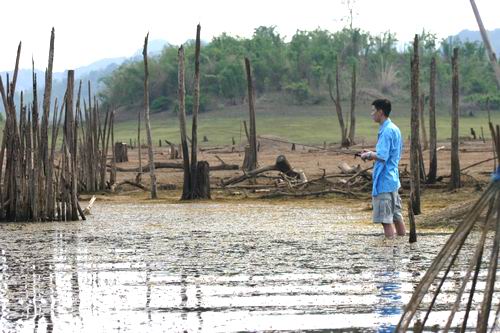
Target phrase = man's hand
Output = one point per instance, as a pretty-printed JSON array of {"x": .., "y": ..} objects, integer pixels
[{"x": 368, "y": 155}]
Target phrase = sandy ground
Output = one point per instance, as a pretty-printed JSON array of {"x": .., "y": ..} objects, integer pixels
[{"x": 315, "y": 163}]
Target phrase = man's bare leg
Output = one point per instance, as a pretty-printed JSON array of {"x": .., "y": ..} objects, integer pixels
[
  {"x": 400, "y": 228},
  {"x": 388, "y": 230}
]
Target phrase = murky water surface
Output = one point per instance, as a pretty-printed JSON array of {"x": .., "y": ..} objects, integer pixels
[{"x": 207, "y": 268}]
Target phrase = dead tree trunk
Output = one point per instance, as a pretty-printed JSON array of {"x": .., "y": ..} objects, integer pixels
[
  {"x": 46, "y": 104},
  {"x": 455, "y": 162},
  {"x": 422, "y": 122},
  {"x": 414, "y": 136},
  {"x": 112, "y": 173},
  {"x": 186, "y": 189},
  {"x": 154, "y": 194},
  {"x": 352, "y": 128},
  {"x": 338, "y": 106},
  {"x": 200, "y": 183},
  {"x": 251, "y": 105},
  {"x": 411, "y": 218},
  {"x": 203, "y": 181},
  {"x": 121, "y": 152},
  {"x": 70, "y": 137},
  {"x": 487, "y": 44},
  {"x": 431, "y": 176},
  {"x": 139, "y": 175}
]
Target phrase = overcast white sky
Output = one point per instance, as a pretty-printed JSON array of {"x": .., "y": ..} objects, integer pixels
[{"x": 90, "y": 30}]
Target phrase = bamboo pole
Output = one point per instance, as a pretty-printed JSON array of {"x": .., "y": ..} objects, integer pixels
[
  {"x": 154, "y": 194},
  {"x": 487, "y": 44}
]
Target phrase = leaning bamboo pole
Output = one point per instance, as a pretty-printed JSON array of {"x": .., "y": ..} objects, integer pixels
[
  {"x": 487, "y": 44},
  {"x": 480, "y": 275},
  {"x": 154, "y": 193}
]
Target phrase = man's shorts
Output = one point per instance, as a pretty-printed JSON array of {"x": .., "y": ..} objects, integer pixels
[{"x": 387, "y": 208}]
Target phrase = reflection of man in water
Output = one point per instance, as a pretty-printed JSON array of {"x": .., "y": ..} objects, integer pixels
[
  {"x": 388, "y": 282},
  {"x": 385, "y": 196}
]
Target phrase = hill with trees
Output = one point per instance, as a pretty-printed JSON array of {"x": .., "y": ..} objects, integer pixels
[{"x": 299, "y": 69}]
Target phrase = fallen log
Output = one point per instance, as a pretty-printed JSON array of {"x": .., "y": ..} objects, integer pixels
[
  {"x": 363, "y": 172},
  {"x": 86, "y": 211},
  {"x": 280, "y": 194},
  {"x": 281, "y": 165},
  {"x": 162, "y": 187},
  {"x": 248, "y": 175},
  {"x": 174, "y": 165},
  {"x": 478, "y": 163}
]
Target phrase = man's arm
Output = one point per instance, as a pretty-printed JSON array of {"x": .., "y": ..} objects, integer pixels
[
  {"x": 370, "y": 156},
  {"x": 382, "y": 149}
]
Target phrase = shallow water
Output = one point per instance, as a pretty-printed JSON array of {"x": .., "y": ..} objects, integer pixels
[{"x": 207, "y": 268}]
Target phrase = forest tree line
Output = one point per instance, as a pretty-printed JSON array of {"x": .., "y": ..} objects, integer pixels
[{"x": 301, "y": 67}]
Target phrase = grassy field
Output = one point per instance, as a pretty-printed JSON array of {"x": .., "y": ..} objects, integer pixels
[{"x": 308, "y": 124}]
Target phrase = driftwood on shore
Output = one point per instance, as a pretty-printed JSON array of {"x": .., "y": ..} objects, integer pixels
[{"x": 174, "y": 165}]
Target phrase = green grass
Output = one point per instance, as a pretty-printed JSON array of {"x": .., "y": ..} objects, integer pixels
[{"x": 307, "y": 124}]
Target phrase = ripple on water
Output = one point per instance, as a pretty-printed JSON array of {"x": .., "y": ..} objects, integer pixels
[{"x": 207, "y": 267}]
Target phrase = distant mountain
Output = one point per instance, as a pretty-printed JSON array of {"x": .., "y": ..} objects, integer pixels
[
  {"x": 472, "y": 36},
  {"x": 154, "y": 47},
  {"x": 93, "y": 72}
]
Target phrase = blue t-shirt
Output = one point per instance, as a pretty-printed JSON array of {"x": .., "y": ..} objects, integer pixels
[{"x": 388, "y": 149}]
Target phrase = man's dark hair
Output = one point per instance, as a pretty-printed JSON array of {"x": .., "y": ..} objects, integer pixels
[{"x": 384, "y": 105}]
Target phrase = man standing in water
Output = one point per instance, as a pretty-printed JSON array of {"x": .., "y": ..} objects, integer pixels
[{"x": 385, "y": 197}]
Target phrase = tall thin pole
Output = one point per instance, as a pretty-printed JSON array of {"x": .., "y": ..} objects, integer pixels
[{"x": 487, "y": 44}]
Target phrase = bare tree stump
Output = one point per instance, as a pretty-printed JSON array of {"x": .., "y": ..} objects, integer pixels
[
  {"x": 174, "y": 154},
  {"x": 121, "y": 152},
  {"x": 247, "y": 159},
  {"x": 202, "y": 190},
  {"x": 473, "y": 133},
  {"x": 285, "y": 167}
]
